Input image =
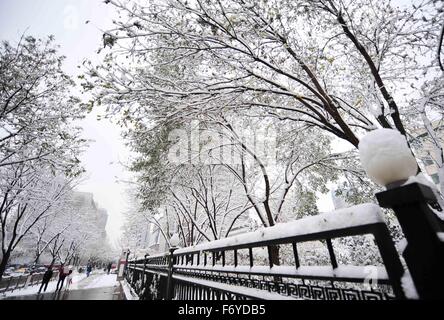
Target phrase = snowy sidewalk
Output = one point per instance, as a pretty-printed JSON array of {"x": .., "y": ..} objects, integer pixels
[
  {"x": 98, "y": 286},
  {"x": 96, "y": 280}
]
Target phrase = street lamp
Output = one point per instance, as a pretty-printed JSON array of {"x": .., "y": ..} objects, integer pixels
[{"x": 387, "y": 158}]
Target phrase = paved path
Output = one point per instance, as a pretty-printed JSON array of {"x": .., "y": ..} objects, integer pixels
[
  {"x": 111, "y": 293},
  {"x": 95, "y": 287}
]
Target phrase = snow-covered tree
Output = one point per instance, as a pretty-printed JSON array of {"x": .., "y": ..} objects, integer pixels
[
  {"x": 313, "y": 71},
  {"x": 318, "y": 62},
  {"x": 36, "y": 107},
  {"x": 39, "y": 145},
  {"x": 27, "y": 197}
]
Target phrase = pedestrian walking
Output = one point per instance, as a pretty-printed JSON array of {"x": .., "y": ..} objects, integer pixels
[
  {"x": 109, "y": 267},
  {"x": 46, "y": 278},
  {"x": 62, "y": 276},
  {"x": 69, "y": 279},
  {"x": 88, "y": 269}
]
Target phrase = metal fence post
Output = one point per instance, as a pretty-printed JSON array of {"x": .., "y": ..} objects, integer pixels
[
  {"x": 28, "y": 281},
  {"x": 170, "y": 288},
  {"x": 17, "y": 283},
  {"x": 125, "y": 267},
  {"x": 391, "y": 259},
  {"x": 144, "y": 268},
  {"x": 9, "y": 284},
  {"x": 133, "y": 272},
  {"x": 424, "y": 253}
]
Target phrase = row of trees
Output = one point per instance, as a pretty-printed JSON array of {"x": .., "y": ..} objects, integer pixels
[
  {"x": 311, "y": 73},
  {"x": 39, "y": 148}
]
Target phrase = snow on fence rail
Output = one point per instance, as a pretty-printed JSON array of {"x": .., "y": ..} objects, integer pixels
[
  {"x": 356, "y": 216},
  {"x": 182, "y": 272}
]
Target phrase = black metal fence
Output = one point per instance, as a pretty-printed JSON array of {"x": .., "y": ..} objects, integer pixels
[
  {"x": 227, "y": 269},
  {"x": 16, "y": 283},
  {"x": 215, "y": 271}
]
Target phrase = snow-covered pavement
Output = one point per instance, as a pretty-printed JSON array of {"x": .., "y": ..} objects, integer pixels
[
  {"x": 97, "y": 281},
  {"x": 80, "y": 282}
]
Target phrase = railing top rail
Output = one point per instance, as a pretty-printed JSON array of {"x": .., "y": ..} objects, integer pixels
[
  {"x": 160, "y": 255},
  {"x": 321, "y": 226},
  {"x": 148, "y": 257},
  {"x": 22, "y": 275},
  {"x": 306, "y": 229}
]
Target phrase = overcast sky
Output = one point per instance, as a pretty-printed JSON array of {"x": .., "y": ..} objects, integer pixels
[{"x": 66, "y": 19}]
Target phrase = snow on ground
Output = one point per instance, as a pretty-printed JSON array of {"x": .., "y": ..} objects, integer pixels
[
  {"x": 79, "y": 281},
  {"x": 102, "y": 281},
  {"x": 76, "y": 279}
]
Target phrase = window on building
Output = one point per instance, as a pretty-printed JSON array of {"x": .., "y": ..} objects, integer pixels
[
  {"x": 435, "y": 178},
  {"x": 428, "y": 161}
]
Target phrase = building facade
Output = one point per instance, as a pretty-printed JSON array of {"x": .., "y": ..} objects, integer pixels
[
  {"x": 84, "y": 203},
  {"x": 426, "y": 151}
]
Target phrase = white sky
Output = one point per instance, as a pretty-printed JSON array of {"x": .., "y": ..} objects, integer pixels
[{"x": 65, "y": 19}]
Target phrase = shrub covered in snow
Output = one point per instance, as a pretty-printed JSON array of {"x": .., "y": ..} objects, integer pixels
[{"x": 386, "y": 156}]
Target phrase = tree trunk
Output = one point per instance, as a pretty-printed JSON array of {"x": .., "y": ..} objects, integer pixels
[
  {"x": 52, "y": 261},
  {"x": 273, "y": 255},
  {"x": 3, "y": 263},
  {"x": 273, "y": 252},
  {"x": 36, "y": 260}
]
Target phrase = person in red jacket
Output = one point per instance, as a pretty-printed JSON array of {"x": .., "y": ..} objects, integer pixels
[{"x": 62, "y": 276}]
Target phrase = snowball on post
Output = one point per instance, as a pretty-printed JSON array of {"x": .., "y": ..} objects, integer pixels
[
  {"x": 174, "y": 240},
  {"x": 386, "y": 157}
]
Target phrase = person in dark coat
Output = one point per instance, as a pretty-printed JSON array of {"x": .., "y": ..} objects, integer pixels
[
  {"x": 62, "y": 276},
  {"x": 88, "y": 269},
  {"x": 46, "y": 278},
  {"x": 109, "y": 267}
]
